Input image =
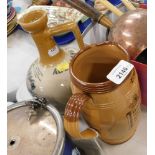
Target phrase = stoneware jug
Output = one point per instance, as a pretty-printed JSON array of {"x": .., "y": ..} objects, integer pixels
[
  {"x": 48, "y": 76},
  {"x": 112, "y": 110}
]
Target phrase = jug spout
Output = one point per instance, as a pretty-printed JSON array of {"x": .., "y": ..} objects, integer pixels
[{"x": 34, "y": 22}]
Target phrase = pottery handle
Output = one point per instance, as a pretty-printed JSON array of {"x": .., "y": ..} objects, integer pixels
[
  {"x": 128, "y": 4},
  {"x": 72, "y": 117},
  {"x": 87, "y": 140},
  {"x": 69, "y": 26},
  {"x": 111, "y": 7}
]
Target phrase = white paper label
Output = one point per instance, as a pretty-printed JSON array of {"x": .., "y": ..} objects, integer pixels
[
  {"x": 120, "y": 72},
  {"x": 53, "y": 51}
]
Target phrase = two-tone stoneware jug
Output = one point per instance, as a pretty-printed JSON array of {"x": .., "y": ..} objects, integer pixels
[
  {"x": 48, "y": 76},
  {"x": 111, "y": 109}
]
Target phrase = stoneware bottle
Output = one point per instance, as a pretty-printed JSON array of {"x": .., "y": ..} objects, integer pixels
[
  {"x": 111, "y": 109},
  {"x": 48, "y": 76}
]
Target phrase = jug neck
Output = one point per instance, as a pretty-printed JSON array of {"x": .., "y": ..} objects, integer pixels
[{"x": 48, "y": 50}]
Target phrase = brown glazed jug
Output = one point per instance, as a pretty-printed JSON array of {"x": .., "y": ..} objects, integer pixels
[
  {"x": 48, "y": 76},
  {"x": 110, "y": 109}
]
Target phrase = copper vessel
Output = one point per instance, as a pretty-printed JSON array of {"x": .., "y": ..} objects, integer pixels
[
  {"x": 112, "y": 110},
  {"x": 130, "y": 31}
]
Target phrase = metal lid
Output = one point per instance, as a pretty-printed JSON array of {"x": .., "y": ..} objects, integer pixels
[{"x": 34, "y": 128}]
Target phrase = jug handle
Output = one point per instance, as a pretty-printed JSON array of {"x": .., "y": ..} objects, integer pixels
[
  {"x": 88, "y": 140},
  {"x": 72, "y": 117},
  {"x": 69, "y": 26}
]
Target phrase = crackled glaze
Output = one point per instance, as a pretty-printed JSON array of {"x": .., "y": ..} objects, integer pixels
[{"x": 48, "y": 76}]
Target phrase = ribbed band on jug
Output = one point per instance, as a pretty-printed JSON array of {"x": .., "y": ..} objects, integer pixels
[{"x": 89, "y": 68}]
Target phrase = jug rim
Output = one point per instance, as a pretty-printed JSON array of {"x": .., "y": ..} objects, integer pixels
[
  {"x": 99, "y": 87},
  {"x": 19, "y": 21}
]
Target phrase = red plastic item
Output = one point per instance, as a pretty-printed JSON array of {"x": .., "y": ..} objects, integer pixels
[
  {"x": 143, "y": 5},
  {"x": 142, "y": 75}
]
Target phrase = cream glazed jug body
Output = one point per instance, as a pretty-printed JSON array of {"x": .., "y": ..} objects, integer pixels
[{"x": 48, "y": 76}]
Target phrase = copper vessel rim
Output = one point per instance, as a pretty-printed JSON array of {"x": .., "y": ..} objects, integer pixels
[{"x": 94, "y": 87}]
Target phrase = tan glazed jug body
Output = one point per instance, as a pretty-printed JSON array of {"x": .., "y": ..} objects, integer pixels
[
  {"x": 48, "y": 76},
  {"x": 112, "y": 110}
]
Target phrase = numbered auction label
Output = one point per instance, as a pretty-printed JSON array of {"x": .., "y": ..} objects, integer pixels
[
  {"x": 120, "y": 72},
  {"x": 53, "y": 51}
]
